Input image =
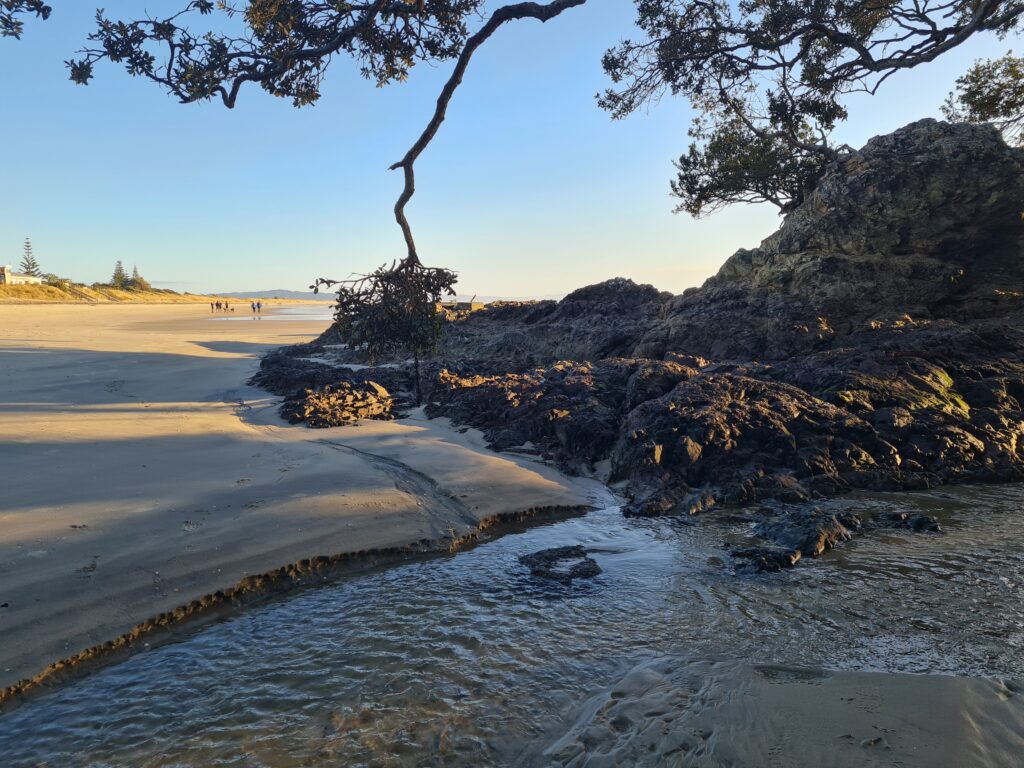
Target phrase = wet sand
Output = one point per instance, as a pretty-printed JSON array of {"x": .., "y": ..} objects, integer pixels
[
  {"x": 725, "y": 713},
  {"x": 138, "y": 472}
]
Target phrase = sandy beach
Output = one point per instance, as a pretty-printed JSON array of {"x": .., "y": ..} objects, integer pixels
[{"x": 140, "y": 472}]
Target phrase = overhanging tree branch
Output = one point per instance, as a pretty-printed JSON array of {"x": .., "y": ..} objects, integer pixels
[{"x": 501, "y": 16}]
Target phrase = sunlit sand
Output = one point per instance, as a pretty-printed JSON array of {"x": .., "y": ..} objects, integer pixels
[{"x": 140, "y": 473}]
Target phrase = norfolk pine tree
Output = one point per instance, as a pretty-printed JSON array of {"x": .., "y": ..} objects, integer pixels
[{"x": 29, "y": 265}]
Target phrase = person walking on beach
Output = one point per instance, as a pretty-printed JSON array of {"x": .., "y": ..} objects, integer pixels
[
  {"x": 259, "y": 307},
  {"x": 211, "y": 306},
  {"x": 253, "y": 305}
]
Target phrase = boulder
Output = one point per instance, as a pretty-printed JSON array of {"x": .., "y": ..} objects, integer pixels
[{"x": 561, "y": 564}]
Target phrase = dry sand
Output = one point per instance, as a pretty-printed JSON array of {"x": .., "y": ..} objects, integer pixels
[{"x": 138, "y": 471}]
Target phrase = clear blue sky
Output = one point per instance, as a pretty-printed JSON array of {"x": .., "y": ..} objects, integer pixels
[{"x": 529, "y": 189}]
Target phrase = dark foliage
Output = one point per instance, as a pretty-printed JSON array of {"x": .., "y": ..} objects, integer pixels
[
  {"x": 992, "y": 91},
  {"x": 393, "y": 309},
  {"x": 119, "y": 279},
  {"x": 285, "y": 46},
  {"x": 771, "y": 74},
  {"x": 29, "y": 265},
  {"x": 10, "y": 11}
]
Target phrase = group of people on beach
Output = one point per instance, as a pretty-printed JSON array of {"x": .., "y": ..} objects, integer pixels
[{"x": 223, "y": 306}]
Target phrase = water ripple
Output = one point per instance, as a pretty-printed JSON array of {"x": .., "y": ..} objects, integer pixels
[{"x": 466, "y": 660}]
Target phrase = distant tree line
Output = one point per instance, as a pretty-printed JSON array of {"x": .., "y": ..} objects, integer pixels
[{"x": 120, "y": 279}]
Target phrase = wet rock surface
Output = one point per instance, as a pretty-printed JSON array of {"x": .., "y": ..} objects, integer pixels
[
  {"x": 785, "y": 534},
  {"x": 561, "y": 564},
  {"x": 876, "y": 341}
]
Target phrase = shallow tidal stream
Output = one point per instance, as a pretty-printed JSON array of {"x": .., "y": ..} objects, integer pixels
[{"x": 467, "y": 660}]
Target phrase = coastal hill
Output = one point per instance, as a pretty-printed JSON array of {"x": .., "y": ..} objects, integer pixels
[
  {"x": 875, "y": 341},
  {"x": 75, "y": 292}
]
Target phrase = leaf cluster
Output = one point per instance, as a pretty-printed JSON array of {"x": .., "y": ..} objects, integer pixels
[
  {"x": 991, "y": 91},
  {"x": 284, "y": 46},
  {"x": 767, "y": 74},
  {"x": 734, "y": 164},
  {"x": 392, "y": 309},
  {"x": 10, "y": 11}
]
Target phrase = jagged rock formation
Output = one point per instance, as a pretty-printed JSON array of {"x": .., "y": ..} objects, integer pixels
[
  {"x": 591, "y": 323},
  {"x": 924, "y": 222},
  {"x": 875, "y": 341}
]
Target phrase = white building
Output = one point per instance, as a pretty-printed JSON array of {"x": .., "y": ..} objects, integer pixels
[{"x": 9, "y": 277}]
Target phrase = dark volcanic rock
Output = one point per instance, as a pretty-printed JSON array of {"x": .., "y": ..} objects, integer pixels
[
  {"x": 599, "y": 321},
  {"x": 809, "y": 532},
  {"x": 285, "y": 372},
  {"x": 339, "y": 404},
  {"x": 562, "y": 564},
  {"x": 876, "y": 341},
  {"x": 914, "y": 522},
  {"x": 766, "y": 559},
  {"x": 924, "y": 222}
]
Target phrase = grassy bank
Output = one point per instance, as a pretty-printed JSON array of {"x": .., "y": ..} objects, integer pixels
[{"x": 75, "y": 293}]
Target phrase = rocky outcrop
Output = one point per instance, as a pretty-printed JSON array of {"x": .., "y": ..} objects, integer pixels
[
  {"x": 875, "y": 341},
  {"x": 924, "y": 222},
  {"x": 784, "y": 535},
  {"x": 338, "y": 404},
  {"x": 592, "y": 323}
]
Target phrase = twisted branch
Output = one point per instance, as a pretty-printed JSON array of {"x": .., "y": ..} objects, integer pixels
[{"x": 504, "y": 14}]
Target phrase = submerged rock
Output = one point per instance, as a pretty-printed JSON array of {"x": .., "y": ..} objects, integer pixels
[{"x": 562, "y": 564}]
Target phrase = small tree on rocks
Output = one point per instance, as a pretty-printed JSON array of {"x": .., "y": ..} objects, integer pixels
[
  {"x": 392, "y": 309},
  {"x": 29, "y": 265}
]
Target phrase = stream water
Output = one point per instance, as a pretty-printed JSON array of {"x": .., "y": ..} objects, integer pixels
[{"x": 467, "y": 660}]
